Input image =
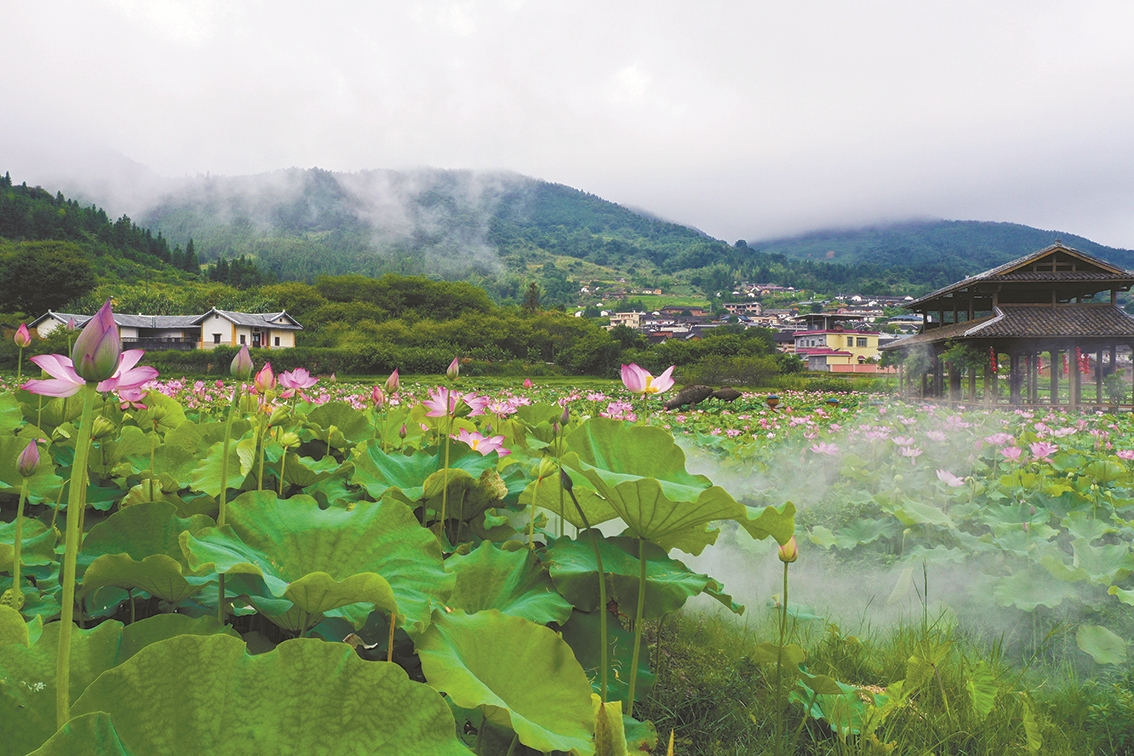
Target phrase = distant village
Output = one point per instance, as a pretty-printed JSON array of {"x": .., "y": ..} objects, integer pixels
[{"x": 841, "y": 335}]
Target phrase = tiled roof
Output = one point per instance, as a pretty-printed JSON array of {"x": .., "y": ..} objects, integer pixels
[
  {"x": 276, "y": 320},
  {"x": 1107, "y": 273},
  {"x": 1033, "y": 321},
  {"x": 124, "y": 320}
]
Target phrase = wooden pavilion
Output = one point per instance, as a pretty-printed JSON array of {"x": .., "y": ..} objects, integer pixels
[{"x": 1048, "y": 323}]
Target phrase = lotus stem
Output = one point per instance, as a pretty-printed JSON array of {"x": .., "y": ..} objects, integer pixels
[
  {"x": 70, "y": 555},
  {"x": 637, "y": 624},
  {"x": 604, "y": 651},
  {"x": 780, "y": 668},
  {"x": 223, "y": 504},
  {"x": 17, "y": 591},
  {"x": 445, "y": 477},
  {"x": 260, "y": 456},
  {"x": 390, "y": 644}
]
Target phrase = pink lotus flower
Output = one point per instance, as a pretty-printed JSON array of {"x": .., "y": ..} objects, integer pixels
[
  {"x": 912, "y": 452},
  {"x": 22, "y": 337},
  {"x": 454, "y": 370},
  {"x": 131, "y": 398},
  {"x": 378, "y": 396},
  {"x": 265, "y": 380},
  {"x": 950, "y": 479},
  {"x": 639, "y": 380},
  {"x": 999, "y": 439},
  {"x": 1127, "y": 454},
  {"x": 1042, "y": 450},
  {"x": 28, "y": 461},
  {"x": 443, "y": 401},
  {"x": 393, "y": 383},
  {"x": 241, "y": 365},
  {"x": 824, "y": 448},
  {"x": 65, "y": 381},
  {"x": 296, "y": 381},
  {"x": 484, "y": 445},
  {"x": 98, "y": 348},
  {"x": 527, "y": 383},
  {"x": 1011, "y": 453}
]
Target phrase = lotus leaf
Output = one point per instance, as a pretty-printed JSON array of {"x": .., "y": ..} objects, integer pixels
[
  {"x": 1103, "y": 645},
  {"x": 352, "y": 424},
  {"x": 610, "y": 731},
  {"x": 304, "y": 697},
  {"x": 584, "y": 634},
  {"x": 512, "y": 581},
  {"x": 207, "y": 474},
  {"x": 378, "y": 472},
  {"x": 1026, "y": 590},
  {"x": 521, "y": 675},
  {"x": 27, "y": 675},
  {"x": 37, "y": 545},
  {"x": 13, "y": 629},
  {"x": 546, "y": 495},
  {"x": 321, "y": 559},
  {"x": 1104, "y": 564},
  {"x": 669, "y": 583}
]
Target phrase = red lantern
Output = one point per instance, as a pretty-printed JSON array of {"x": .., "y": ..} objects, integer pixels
[{"x": 993, "y": 363}]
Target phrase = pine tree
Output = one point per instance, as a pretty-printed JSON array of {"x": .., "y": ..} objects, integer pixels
[{"x": 531, "y": 303}]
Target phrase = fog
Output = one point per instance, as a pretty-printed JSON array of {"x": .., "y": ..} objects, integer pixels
[{"x": 745, "y": 120}]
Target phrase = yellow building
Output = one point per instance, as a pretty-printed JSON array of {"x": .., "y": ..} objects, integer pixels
[{"x": 831, "y": 349}]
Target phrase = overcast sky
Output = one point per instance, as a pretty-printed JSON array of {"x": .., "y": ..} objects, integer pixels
[{"x": 746, "y": 119}]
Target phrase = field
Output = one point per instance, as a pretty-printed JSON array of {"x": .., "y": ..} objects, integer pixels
[{"x": 294, "y": 565}]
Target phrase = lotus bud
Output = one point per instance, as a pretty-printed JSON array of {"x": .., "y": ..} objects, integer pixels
[
  {"x": 28, "y": 460},
  {"x": 555, "y": 428},
  {"x": 565, "y": 481},
  {"x": 280, "y": 415},
  {"x": 265, "y": 380},
  {"x": 565, "y": 417},
  {"x": 527, "y": 383},
  {"x": 22, "y": 337},
  {"x": 393, "y": 383},
  {"x": 403, "y": 432},
  {"x": 453, "y": 370},
  {"x": 1025, "y": 527},
  {"x": 98, "y": 348},
  {"x": 378, "y": 396},
  {"x": 333, "y": 379},
  {"x": 102, "y": 428},
  {"x": 241, "y": 367},
  {"x": 70, "y": 327},
  {"x": 547, "y": 468},
  {"x": 488, "y": 429},
  {"x": 789, "y": 551}
]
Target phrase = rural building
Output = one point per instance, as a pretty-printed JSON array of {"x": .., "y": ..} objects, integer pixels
[
  {"x": 1047, "y": 324},
  {"x": 835, "y": 350},
  {"x": 264, "y": 330},
  {"x": 744, "y": 308},
  {"x": 628, "y": 319}
]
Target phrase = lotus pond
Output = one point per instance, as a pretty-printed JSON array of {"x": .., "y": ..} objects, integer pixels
[{"x": 436, "y": 568}]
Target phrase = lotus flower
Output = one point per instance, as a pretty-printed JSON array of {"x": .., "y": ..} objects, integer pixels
[
  {"x": 28, "y": 461},
  {"x": 1042, "y": 450},
  {"x": 453, "y": 370},
  {"x": 22, "y": 337},
  {"x": 241, "y": 367},
  {"x": 483, "y": 444},
  {"x": 295, "y": 381},
  {"x": 950, "y": 479},
  {"x": 65, "y": 380},
  {"x": 393, "y": 383},
  {"x": 131, "y": 398},
  {"x": 789, "y": 551},
  {"x": 1126, "y": 454},
  {"x": 443, "y": 401},
  {"x": 1011, "y": 452},
  {"x": 824, "y": 448},
  {"x": 527, "y": 383},
  {"x": 639, "y": 380},
  {"x": 378, "y": 396},
  {"x": 265, "y": 380},
  {"x": 98, "y": 348}
]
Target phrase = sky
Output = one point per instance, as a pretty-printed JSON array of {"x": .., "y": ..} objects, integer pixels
[{"x": 745, "y": 119}]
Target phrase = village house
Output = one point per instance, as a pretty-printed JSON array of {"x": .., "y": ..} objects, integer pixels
[
  {"x": 264, "y": 330},
  {"x": 838, "y": 350},
  {"x": 744, "y": 308}
]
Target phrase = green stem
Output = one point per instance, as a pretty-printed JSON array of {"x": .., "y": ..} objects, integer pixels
[
  {"x": 445, "y": 478},
  {"x": 512, "y": 747},
  {"x": 637, "y": 624},
  {"x": 70, "y": 555},
  {"x": 260, "y": 450},
  {"x": 20, "y": 367},
  {"x": 283, "y": 466},
  {"x": 604, "y": 650},
  {"x": 780, "y": 668},
  {"x": 17, "y": 589},
  {"x": 153, "y": 447},
  {"x": 223, "y": 504}
]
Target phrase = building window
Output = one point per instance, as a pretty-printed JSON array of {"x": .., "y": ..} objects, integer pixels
[
  {"x": 277, "y": 341},
  {"x": 862, "y": 341},
  {"x": 216, "y": 338},
  {"x": 850, "y": 340},
  {"x": 242, "y": 341}
]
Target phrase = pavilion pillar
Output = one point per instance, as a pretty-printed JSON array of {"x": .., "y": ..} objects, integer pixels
[
  {"x": 972, "y": 384},
  {"x": 1074, "y": 382},
  {"x": 1014, "y": 377},
  {"x": 1055, "y": 368},
  {"x": 987, "y": 384},
  {"x": 1098, "y": 377}
]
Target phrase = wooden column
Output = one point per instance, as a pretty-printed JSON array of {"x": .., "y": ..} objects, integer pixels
[
  {"x": 1074, "y": 382},
  {"x": 987, "y": 384},
  {"x": 1055, "y": 368},
  {"x": 1098, "y": 377},
  {"x": 1014, "y": 378}
]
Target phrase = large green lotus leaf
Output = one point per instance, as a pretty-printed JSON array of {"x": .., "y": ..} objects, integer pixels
[
  {"x": 583, "y": 633},
  {"x": 635, "y": 450},
  {"x": 669, "y": 583},
  {"x": 175, "y": 462},
  {"x": 11, "y": 415},
  {"x": 865, "y": 531},
  {"x": 919, "y": 513},
  {"x": 13, "y": 629},
  {"x": 89, "y": 735},
  {"x": 1104, "y": 564},
  {"x": 353, "y": 424},
  {"x": 124, "y": 454},
  {"x": 306, "y": 471},
  {"x": 1103, "y": 645},
  {"x": 286, "y": 540},
  {"x": 1027, "y": 590},
  {"x": 44, "y": 485},
  {"x": 775, "y": 522},
  {"x": 141, "y": 530},
  {"x": 161, "y": 409},
  {"x": 546, "y": 495},
  {"x": 156, "y": 574},
  {"x": 1083, "y": 526},
  {"x": 378, "y": 472},
  {"x": 522, "y": 675},
  {"x": 37, "y": 544},
  {"x": 207, "y": 474},
  {"x": 27, "y": 675},
  {"x": 512, "y": 581},
  {"x": 303, "y": 697}
]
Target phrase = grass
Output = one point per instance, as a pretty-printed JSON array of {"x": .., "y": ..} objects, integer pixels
[{"x": 720, "y": 702}]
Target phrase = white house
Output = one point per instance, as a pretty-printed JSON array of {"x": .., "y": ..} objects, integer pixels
[{"x": 263, "y": 330}]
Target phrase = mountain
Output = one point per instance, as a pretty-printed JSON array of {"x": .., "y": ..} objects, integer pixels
[{"x": 942, "y": 250}]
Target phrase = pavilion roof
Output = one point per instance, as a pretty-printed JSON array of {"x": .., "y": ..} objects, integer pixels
[{"x": 1032, "y": 321}]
